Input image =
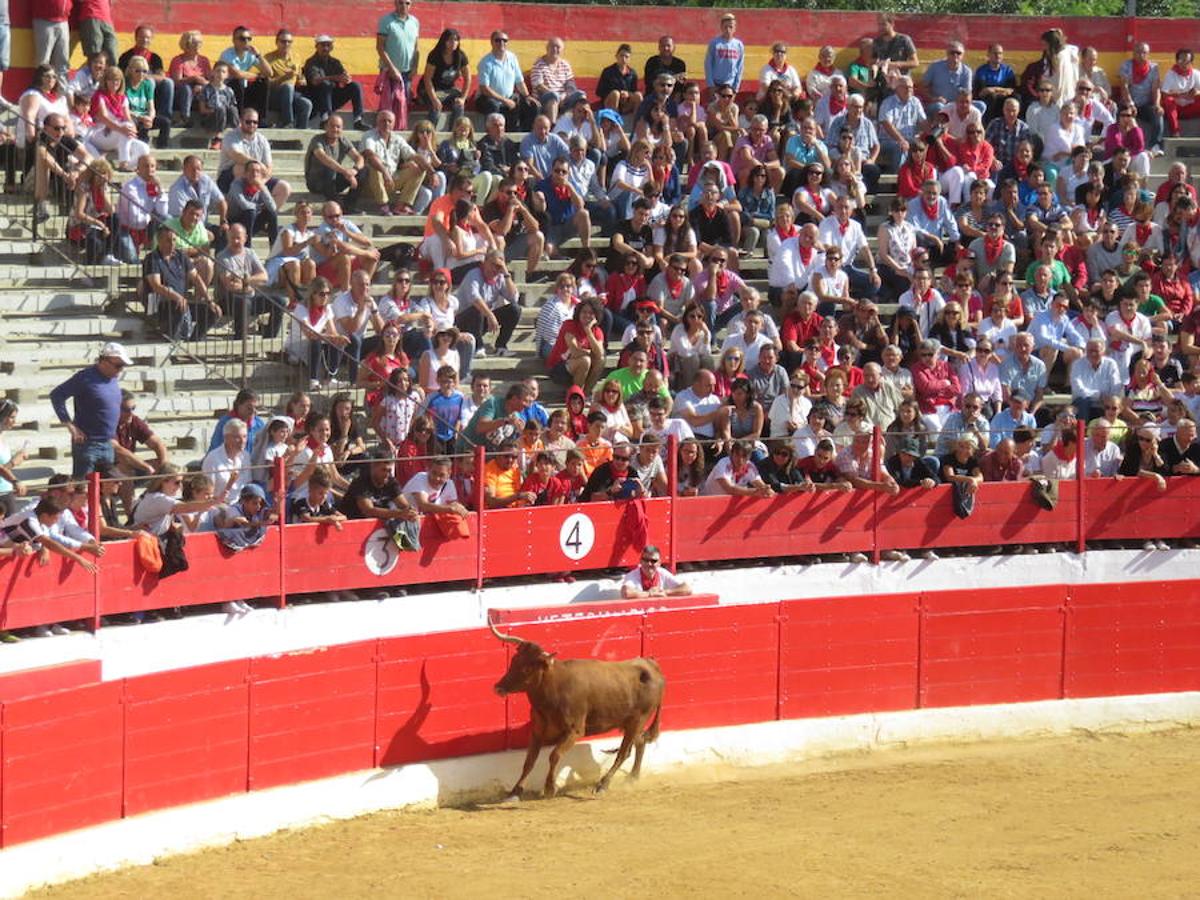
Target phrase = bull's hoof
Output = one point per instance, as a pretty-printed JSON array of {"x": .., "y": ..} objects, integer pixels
[{"x": 600, "y": 788}]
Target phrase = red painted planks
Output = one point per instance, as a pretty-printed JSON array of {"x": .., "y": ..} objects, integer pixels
[
  {"x": 321, "y": 558},
  {"x": 1000, "y": 646},
  {"x": 1135, "y": 509},
  {"x": 312, "y": 714},
  {"x": 1133, "y": 638},
  {"x": 62, "y": 762},
  {"x": 530, "y": 540},
  {"x": 214, "y": 575},
  {"x": 33, "y": 594},
  {"x": 721, "y": 664},
  {"x": 1004, "y": 514},
  {"x": 186, "y": 735},
  {"x": 599, "y": 609},
  {"x": 45, "y": 679},
  {"x": 844, "y": 655},
  {"x": 435, "y": 697},
  {"x": 789, "y": 525}
]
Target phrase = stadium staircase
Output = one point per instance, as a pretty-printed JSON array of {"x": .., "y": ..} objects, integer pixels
[{"x": 54, "y": 315}]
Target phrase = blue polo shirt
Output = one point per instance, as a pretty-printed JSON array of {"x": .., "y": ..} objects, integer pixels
[{"x": 97, "y": 403}]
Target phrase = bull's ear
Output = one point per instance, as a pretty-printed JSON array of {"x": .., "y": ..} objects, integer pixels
[{"x": 548, "y": 658}]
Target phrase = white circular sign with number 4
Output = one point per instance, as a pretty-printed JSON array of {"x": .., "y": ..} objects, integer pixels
[{"x": 576, "y": 536}]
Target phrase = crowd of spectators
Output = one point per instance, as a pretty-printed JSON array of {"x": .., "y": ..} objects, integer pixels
[{"x": 1037, "y": 281}]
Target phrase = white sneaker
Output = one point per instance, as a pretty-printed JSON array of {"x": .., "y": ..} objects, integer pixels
[
  {"x": 42, "y": 631},
  {"x": 894, "y": 556},
  {"x": 235, "y": 608},
  {"x": 59, "y": 629},
  {"x": 1150, "y": 545},
  {"x": 504, "y": 351},
  {"x": 1163, "y": 545},
  {"x": 243, "y": 607},
  {"x": 110, "y": 260},
  {"x": 481, "y": 352},
  {"x": 929, "y": 554},
  {"x": 858, "y": 557}
]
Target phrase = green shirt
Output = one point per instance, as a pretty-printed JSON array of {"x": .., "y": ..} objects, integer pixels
[
  {"x": 141, "y": 98},
  {"x": 1153, "y": 306},
  {"x": 196, "y": 239},
  {"x": 1058, "y": 274}
]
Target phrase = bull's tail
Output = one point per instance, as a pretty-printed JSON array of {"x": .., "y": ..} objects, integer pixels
[{"x": 652, "y": 732}]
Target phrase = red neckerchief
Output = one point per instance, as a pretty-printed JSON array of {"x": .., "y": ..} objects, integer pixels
[
  {"x": 561, "y": 191},
  {"x": 99, "y": 198},
  {"x": 923, "y": 299},
  {"x": 836, "y": 106},
  {"x": 790, "y": 233},
  {"x": 1125, "y": 211},
  {"x": 824, "y": 70},
  {"x": 652, "y": 583},
  {"x": 659, "y": 174},
  {"x": 677, "y": 288},
  {"x": 783, "y": 68},
  {"x": 250, "y": 189},
  {"x": 738, "y": 473},
  {"x": 314, "y": 444},
  {"x": 1021, "y": 168},
  {"x": 52, "y": 96},
  {"x": 1181, "y": 71},
  {"x": 152, "y": 189},
  {"x": 842, "y": 226},
  {"x": 1142, "y": 231},
  {"x": 806, "y": 254},
  {"x": 710, "y": 213},
  {"x": 314, "y": 314},
  {"x": 931, "y": 212},
  {"x": 1087, "y": 110},
  {"x": 1058, "y": 451},
  {"x": 144, "y": 54},
  {"x": 521, "y": 190},
  {"x": 1092, "y": 215},
  {"x": 992, "y": 249},
  {"x": 817, "y": 201},
  {"x": 1139, "y": 70},
  {"x": 723, "y": 279}
]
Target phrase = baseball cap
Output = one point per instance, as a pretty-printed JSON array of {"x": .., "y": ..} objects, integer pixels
[
  {"x": 910, "y": 446},
  {"x": 322, "y": 39},
  {"x": 114, "y": 350}
]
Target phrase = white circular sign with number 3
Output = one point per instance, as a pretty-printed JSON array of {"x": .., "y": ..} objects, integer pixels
[{"x": 576, "y": 536}]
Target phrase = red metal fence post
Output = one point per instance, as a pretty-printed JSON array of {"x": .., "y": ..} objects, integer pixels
[
  {"x": 280, "y": 476},
  {"x": 672, "y": 495},
  {"x": 1081, "y": 486},
  {"x": 94, "y": 527},
  {"x": 876, "y": 470},
  {"x": 480, "y": 502}
]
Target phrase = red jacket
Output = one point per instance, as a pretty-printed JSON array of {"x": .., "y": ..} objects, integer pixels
[
  {"x": 935, "y": 385},
  {"x": 909, "y": 180},
  {"x": 794, "y": 329},
  {"x": 977, "y": 158}
]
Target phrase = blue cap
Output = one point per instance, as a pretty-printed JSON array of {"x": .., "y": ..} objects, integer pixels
[{"x": 611, "y": 116}]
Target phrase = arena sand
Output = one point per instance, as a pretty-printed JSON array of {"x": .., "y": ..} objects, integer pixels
[{"x": 1107, "y": 815}]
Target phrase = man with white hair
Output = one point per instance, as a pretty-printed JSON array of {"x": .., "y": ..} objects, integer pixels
[
  {"x": 1094, "y": 377},
  {"x": 394, "y": 175},
  {"x": 866, "y": 138},
  {"x": 901, "y": 118},
  {"x": 228, "y": 466},
  {"x": 552, "y": 80},
  {"x": 1102, "y": 456}
]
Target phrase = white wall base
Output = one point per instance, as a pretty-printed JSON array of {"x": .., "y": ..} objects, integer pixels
[{"x": 141, "y": 839}]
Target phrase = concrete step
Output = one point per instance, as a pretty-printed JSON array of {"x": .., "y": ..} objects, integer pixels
[{"x": 52, "y": 302}]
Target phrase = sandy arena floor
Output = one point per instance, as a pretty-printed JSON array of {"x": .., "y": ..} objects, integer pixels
[{"x": 1087, "y": 816}]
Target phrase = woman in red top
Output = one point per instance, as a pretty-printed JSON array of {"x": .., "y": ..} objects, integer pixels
[
  {"x": 115, "y": 128},
  {"x": 621, "y": 290},
  {"x": 380, "y": 364},
  {"x": 964, "y": 162},
  {"x": 917, "y": 169},
  {"x": 412, "y": 453},
  {"x": 936, "y": 386},
  {"x": 577, "y": 356}
]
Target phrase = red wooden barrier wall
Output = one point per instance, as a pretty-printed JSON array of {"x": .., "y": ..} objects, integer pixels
[
  {"x": 532, "y": 541},
  {"x": 97, "y": 752}
]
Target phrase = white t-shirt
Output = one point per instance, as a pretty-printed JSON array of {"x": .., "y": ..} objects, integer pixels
[
  {"x": 666, "y": 580},
  {"x": 300, "y": 462},
  {"x": 687, "y": 401},
  {"x": 723, "y": 471},
  {"x": 419, "y": 484},
  {"x": 222, "y": 469},
  {"x": 154, "y": 510},
  {"x": 344, "y": 307},
  {"x": 749, "y": 350}
]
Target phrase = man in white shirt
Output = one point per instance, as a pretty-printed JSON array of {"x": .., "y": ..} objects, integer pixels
[
  {"x": 734, "y": 475},
  {"x": 1180, "y": 87},
  {"x": 353, "y": 311},
  {"x": 228, "y": 466},
  {"x": 845, "y": 233},
  {"x": 649, "y": 579},
  {"x": 750, "y": 340},
  {"x": 431, "y": 492},
  {"x": 143, "y": 199},
  {"x": 1103, "y": 457},
  {"x": 701, "y": 408},
  {"x": 1094, "y": 377},
  {"x": 1053, "y": 334}
]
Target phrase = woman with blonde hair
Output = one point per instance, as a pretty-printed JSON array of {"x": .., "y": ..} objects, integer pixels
[
  {"x": 115, "y": 128},
  {"x": 459, "y": 153},
  {"x": 189, "y": 70}
]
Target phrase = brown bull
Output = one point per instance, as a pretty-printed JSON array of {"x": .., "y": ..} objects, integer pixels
[{"x": 572, "y": 698}]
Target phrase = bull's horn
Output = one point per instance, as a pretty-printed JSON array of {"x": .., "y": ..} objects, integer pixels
[{"x": 508, "y": 639}]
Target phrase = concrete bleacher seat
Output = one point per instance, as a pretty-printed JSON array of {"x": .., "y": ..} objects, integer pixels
[{"x": 55, "y": 315}]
